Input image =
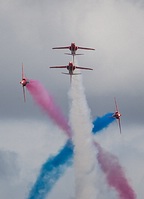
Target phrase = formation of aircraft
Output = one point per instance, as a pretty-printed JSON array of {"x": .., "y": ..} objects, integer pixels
[
  {"x": 24, "y": 82},
  {"x": 117, "y": 114},
  {"x": 73, "y": 48},
  {"x": 71, "y": 67}
]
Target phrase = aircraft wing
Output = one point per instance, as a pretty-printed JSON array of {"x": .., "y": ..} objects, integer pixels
[
  {"x": 79, "y": 67},
  {"x": 85, "y": 48},
  {"x": 64, "y": 47},
  {"x": 58, "y": 66},
  {"x": 24, "y": 94},
  {"x": 22, "y": 71},
  {"x": 119, "y": 123},
  {"x": 116, "y": 104}
]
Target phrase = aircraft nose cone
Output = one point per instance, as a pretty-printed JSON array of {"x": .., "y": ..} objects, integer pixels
[
  {"x": 23, "y": 82},
  {"x": 119, "y": 114}
]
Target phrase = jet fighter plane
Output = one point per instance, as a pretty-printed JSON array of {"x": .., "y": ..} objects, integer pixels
[
  {"x": 73, "y": 48},
  {"x": 71, "y": 67},
  {"x": 24, "y": 82},
  {"x": 117, "y": 114}
]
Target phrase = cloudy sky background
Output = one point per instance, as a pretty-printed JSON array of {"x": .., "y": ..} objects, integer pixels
[{"x": 29, "y": 30}]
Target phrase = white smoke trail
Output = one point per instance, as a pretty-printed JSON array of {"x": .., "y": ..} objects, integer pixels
[{"x": 84, "y": 157}]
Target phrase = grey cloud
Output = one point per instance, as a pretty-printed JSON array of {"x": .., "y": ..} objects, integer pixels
[{"x": 9, "y": 168}]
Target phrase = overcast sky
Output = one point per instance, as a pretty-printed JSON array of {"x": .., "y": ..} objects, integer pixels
[{"x": 28, "y": 31}]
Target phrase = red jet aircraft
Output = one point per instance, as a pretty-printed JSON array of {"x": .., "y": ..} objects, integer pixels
[
  {"x": 24, "y": 82},
  {"x": 117, "y": 114},
  {"x": 73, "y": 48},
  {"x": 71, "y": 67}
]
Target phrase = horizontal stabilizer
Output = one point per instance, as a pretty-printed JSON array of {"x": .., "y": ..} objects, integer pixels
[
  {"x": 74, "y": 54},
  {"x": 79, "y": 54},
  {"x": 65, "y": 73},
  {"x": 68, "y": 54},
  {"x": 72, "y": 74},
  {"x": 76, "y": 73}
]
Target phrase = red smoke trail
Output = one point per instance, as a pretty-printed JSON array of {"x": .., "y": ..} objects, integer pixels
[
  {"x": 114, "y": 173},
  {"x": 46, "y": 102}
]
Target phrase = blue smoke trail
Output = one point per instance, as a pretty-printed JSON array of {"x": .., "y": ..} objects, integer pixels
[
  {"x": 102, "y": 122},
  {"x": 55, "y": 167},
  {"x": 51, "y": 171}
]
